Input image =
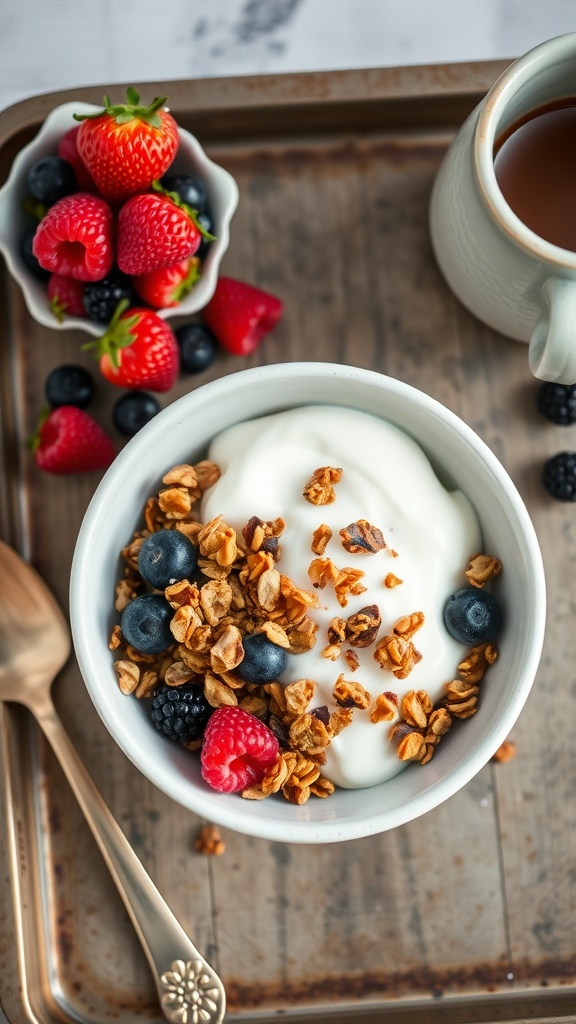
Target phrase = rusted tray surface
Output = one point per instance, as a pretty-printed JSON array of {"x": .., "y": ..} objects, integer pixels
[{"x": 465, "y": 915}]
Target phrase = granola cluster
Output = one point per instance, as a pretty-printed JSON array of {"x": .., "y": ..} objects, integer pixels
[{"x": 240, "y": 591}]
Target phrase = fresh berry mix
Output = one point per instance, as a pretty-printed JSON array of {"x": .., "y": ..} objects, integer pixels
[
  {"x": 559, "y": 476},
  {"x": 472, "y": 616},
  {"x": 240, "y": 315},
  {"x": 134, "y": 410},
  {"x": 236, "y": 751},
  {"x": 558, "y": 403},
  {"x": 118, "y": 216},
  {"x": 70, "y": 441},
  {"x": 181, "y": 712},
  {"x": 146, "y": 623},
  {"x": 165, "y": 557},
  {"x": 69, "y": 385},
  {"x": 198, "y": 347}
]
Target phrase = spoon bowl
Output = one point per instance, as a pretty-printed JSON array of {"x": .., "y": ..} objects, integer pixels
[{"x": 34, "y": 645}]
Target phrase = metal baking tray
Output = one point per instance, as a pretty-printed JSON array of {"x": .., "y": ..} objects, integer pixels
[{"x": 467, "y": 914}]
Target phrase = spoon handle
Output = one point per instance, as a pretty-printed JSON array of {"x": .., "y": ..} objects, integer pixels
[{"x": 188, "y": 988}]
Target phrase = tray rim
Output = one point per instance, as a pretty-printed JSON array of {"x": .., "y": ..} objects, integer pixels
[{"x": 451, "y": 87}]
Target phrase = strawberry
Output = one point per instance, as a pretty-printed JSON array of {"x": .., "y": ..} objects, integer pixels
[
  {"x": 67, "y": 150},
  {"x": 66, "y": 296},
  {"x": 240, "y": 315},
  {"x": 138, "y": 350},
  {"x": 127, "y": 146},
  {"x": 70, "y": 441},
  {"x": 75, "y": 238},
  {"x": 154, "y": 231},
  {"x": 169, "y": 285}
]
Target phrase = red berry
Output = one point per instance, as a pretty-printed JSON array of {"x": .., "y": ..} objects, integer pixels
[
  {"x": 70, "y": 441},
  {"x": 138, "y": 350},
  {"x": 237, "y": 749},
  {"x": 154, "y": 232},
  {"x": 75, "y": 238},
  {"x": 169, "y": 285},
  {"x": 241, "y": 315},
  {"x": 67, "y": 150},
  {"x": 127, "y": 146},
  {"x": 66, "y": 296}
]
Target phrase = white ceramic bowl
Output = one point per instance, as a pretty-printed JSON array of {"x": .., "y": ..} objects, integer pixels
[
  {"x": 190, "y": 159},
  {"x": 181, "y": 433}
]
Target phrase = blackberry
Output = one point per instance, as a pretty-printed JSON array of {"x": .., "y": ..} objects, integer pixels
[
  {"x": 180, "y": 712},
  {"x": 559, "y": 476},
  {"x": 558, "y": 403},
  {"x": 101, "y": 298}
]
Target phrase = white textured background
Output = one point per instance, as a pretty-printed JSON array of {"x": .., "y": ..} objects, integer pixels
[{"x": 52, "y": 44}]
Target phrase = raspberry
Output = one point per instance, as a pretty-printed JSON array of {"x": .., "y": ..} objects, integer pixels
[
  {"x": 237, "y": 749},
  {"x": 75, "y": 238}
]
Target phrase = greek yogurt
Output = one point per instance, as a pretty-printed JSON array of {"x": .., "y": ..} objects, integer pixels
[{"x": 430, "y": 534}]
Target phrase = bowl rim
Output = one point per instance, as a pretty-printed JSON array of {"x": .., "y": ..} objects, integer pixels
[
  {"x": 221, "y": 179},
  {"x": 205, "y": 804}
]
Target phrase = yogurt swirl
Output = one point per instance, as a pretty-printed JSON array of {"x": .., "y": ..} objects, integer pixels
[{"x": 430, "y": 535}]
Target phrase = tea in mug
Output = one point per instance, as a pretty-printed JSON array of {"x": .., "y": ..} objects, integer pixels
[{"x": 535, "y": 166}]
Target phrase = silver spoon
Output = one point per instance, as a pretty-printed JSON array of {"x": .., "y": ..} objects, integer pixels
[{"x": 35, "y": 644}]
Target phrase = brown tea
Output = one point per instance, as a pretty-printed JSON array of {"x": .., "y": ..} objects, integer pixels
[{"x": 535, "y": 165}]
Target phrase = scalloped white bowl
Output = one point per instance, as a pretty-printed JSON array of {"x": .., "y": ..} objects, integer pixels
[
  {"x": 190, "y": 159},
  {"x": 181, "y": 433}
]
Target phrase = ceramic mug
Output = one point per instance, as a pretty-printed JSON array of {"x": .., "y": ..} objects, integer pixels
[{"x": 504, "y": 273}]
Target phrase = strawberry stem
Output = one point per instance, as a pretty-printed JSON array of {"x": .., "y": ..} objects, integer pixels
[
  {"x": 118, "y": 335},
  {"x": 129, "y": 111},
  {"x": 192, "y": 213}
]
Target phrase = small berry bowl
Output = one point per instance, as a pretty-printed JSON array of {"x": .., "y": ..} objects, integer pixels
[
  {"x": 181, "y": 434},
  {"x": 15, "y": 222}
]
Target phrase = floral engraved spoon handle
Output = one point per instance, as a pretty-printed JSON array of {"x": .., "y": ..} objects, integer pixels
[{"x": 189, "y": 989}]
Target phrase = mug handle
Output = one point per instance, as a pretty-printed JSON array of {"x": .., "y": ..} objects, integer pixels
[{"x": 552, "y": 350}]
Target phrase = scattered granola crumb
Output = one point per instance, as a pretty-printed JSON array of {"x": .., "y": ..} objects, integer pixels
[
  {"x": 320, "y": 539},
  {"x": 392, "y": 581},
  {"x": 209, "y": 841},
  {"x": 361, "y": 538},
  {"x": 319, "y": 490},
  {"x": 506, "y": 752},
  {"x": 482, "y": 568}
]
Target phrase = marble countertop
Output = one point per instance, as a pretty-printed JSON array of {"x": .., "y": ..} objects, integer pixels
[{"x": 67, "y": 43}]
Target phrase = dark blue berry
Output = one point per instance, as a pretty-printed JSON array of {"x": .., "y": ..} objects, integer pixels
[
  {"x": 29, "y": 258},
  {"x": 50, "y": 179},
  {"x": 191, "y": 190},
  {"x": 165, "y": 556},
  {"x": 558, "y": 403},
  {"x": 145, "y": 623},
  {"x": 198, "y": 347},
  {"x": 69, "y": 385},
  {"x": 559, "y": 476},
  {"x": 101, "y": 298},
  {"x": 472, "y": 616},
  {"x": 263, "y": 661},
  {"x": 133, "y": 410},
  {"x": 181, "y": 712}
]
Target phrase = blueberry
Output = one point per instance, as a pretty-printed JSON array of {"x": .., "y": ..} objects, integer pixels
[
  {"x": 50, "y": 179},
  {"x": 472, "y": 616},
  {"x": 133, "y": 410},
  {"x": 165, "y": 556},
  {"x": 263, "y": 661},
  {"x": 101, "y": 298},
  {"x": 69, "y": 385},
  {"x": 145, "y": 623},
  {"x": 29, "y": 258},
  {"x": 191, "y": 190},
  {"x": 198, "y": 347}
]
